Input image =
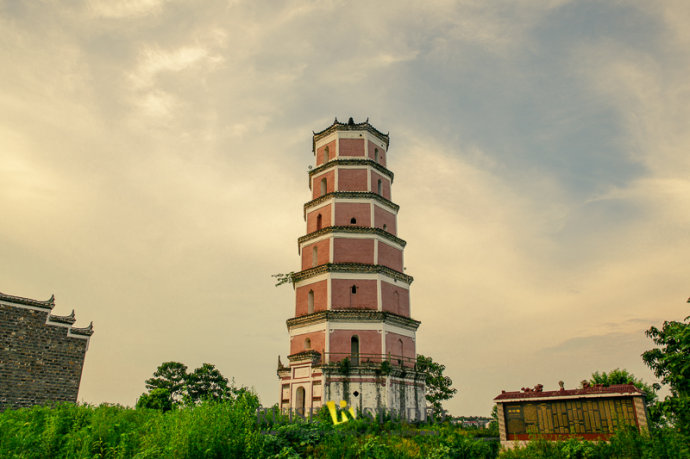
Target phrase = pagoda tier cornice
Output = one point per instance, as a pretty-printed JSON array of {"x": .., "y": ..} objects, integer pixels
[
  {"x": 351, "y": 268},
  {"x": 305, "y": 356},
  {"x": 351, "y": 195},
  {"x": 351, "y": 162},
  {"x": 353, "y": 315},
  {"x": 349, "y": 126},
  {"x": 352, "y": 229}
]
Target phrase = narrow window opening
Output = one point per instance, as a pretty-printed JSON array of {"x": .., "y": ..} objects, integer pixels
[
  {"x": 400, "y": 349},
  {"x": 376, "y": 155},
  {"x": 319, "y": 222},
  {"x": 354, "y": 289},
  {"x": 354, "y": 350},
  {"x": 314, "y": 256},
  {"x": 353, "y": 221},
  {"x": 384, "y": 227},
  {"x": 307, "y": 343},
  {"x": 325, "y": 155},
  {"x": 310, "y": 302},
  {"x": 324, "y": 187},
  {"x": 380, "y": 186}
]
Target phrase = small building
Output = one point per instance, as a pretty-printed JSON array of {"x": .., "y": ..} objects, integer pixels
[
  {"x": 589, "y": 413},
  {"x": 41, "y": 354}
]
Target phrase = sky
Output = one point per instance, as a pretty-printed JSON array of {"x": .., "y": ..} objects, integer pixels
[{"x": 153, "y": 169}]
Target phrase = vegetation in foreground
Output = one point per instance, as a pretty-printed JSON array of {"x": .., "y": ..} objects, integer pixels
[{"x": 232, "y": 429}]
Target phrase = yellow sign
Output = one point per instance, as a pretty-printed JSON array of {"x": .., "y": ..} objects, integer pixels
[{"x": 334, "y": 412}]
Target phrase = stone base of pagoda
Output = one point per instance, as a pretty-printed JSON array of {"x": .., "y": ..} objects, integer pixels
[{"x": 398, "y": 391}]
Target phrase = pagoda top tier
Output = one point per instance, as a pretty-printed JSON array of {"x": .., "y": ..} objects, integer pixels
[{"x": 349, "y": 126}]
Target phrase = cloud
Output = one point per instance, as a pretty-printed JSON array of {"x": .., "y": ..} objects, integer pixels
[
  {"x": 119, "y": 9},
  {"x": 154, "y": 61}
]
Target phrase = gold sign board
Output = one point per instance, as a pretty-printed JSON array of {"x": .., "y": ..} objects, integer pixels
[{"x": 583, "y": 417}]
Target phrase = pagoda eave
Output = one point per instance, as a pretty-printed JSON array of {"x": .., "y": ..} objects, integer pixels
[
  {"x": 351, "y": 268},
  {"x": 352, "y": 229},
  {"x": 351, "y": 162},
  {"x": 352, "y": 195},
  {"x": 350, "y": 315}
]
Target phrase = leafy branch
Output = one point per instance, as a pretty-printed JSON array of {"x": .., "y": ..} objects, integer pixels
[{"x": 284, "y": 278}]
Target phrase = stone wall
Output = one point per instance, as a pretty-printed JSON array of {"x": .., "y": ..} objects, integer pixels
[{"x": 41, "y": 354}]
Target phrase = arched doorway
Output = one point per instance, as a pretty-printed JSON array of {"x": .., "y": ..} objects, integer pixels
[{"x": 299, "y": 401}]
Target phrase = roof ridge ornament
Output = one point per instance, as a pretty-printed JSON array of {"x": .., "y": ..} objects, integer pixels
[{"x": 349, "y": 126}]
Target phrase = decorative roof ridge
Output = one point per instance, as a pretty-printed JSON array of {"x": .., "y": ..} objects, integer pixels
[
  {"x": 597, "y": 389},
  {"x": 352, "y": 229},
  {"x": 69, "y": 319},
  {"x": 348, "y": 162},
  {"x": 350, "y": 268},
  {"x": 49, "y": 303},
  {"x": 353, "y": 195},
  {"x": 350, "y": 126},
  {"x": 85, "y": 331}
]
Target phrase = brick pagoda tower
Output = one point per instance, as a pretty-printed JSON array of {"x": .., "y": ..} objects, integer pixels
[{"x": 352, "y": 337}]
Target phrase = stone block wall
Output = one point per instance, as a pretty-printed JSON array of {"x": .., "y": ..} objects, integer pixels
[{"x": 41, "y": 354}]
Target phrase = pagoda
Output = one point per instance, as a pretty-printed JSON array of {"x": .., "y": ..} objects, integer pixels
[{"x": 351, "y": 337}]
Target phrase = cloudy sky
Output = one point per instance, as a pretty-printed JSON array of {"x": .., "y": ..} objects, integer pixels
[{"x": 153, "y": 167}]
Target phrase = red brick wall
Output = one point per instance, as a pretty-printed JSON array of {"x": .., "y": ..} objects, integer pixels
[
  {"x": 320, "y": 297},
  {"x": 352, "y": 180},
  {"x": 369, "y": 343},
  {"x": 382, "y": 153},
  {"x": 351, "y": 147},
  {"x": 393, "y": 345},
  {"x": 343, "y": 298},
  {"x": 385, "y": 185},
  {"x": 353, "y": 250},
  {"x": 345, "y": 211},
  {"x": 399, "y": 304},
  {"x": 322, "y": 254},
  {"x": 316, "y": 183},
  {"x": 390, "y": 256},
  {"x": 318, "y": 342},
  {"x": 320, "y": 150},
  {"x": 383, "y": 217},
  {"x": 312, "y": 217}
]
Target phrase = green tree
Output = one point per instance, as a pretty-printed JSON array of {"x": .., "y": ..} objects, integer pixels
[
  {"x": 207, "y": 383},
  {"x": 671, "y": 362},
  {"x": 438, "y": 386},
  {"x": 171, "y": 376},
  {"x": 618, "y": 376},
  {"x": 157, "y": 399}
]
